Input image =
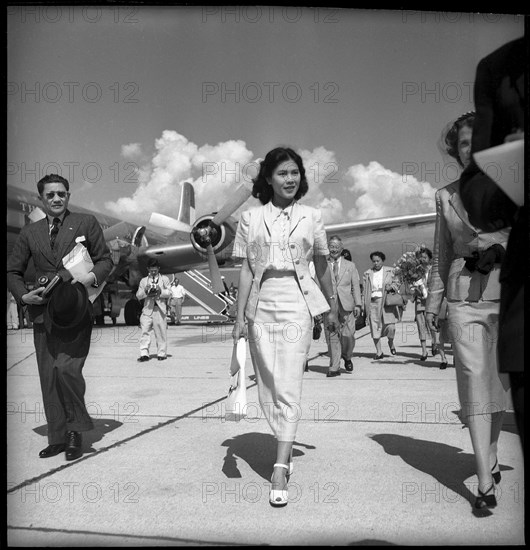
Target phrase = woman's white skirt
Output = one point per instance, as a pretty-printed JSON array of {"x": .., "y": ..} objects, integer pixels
[{"x": 279, "y": 341}]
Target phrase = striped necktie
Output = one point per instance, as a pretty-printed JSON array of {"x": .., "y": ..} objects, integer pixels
[
  {"x": 54, "y": 231},
  {"x": 336, "y": 269}
]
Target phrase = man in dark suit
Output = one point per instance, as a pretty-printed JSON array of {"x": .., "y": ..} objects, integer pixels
[
  {"x": 60, "y": 360},
  {"x": 346, "y": 287},
  {"x": 500, "y": 105}
]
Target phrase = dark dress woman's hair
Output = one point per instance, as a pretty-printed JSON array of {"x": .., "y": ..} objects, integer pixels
[
  {"x": 451, "y": 138},
  {"x": 261, "y": 189},
  {"x": 377, "y": 253},
  {"x": 424, "y": 250},
  {"x": 346, "y": 253}
]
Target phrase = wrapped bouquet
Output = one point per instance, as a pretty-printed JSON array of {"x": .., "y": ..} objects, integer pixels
[{"x": 411, "y": 272}]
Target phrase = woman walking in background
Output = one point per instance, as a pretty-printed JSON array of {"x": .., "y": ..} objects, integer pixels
[
  {"x": 377, "y": 283},
  {"x": 466, "y": 266},
  {"x": 424, "y": 255}
]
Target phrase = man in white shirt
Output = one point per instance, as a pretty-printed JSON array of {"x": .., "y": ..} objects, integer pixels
[{"x": 178, "y": 293}]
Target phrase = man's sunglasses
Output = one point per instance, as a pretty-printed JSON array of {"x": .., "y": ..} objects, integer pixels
[{"x": 51, "y": 194}]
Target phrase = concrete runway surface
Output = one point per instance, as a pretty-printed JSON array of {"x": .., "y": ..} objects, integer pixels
[{"x": 380, "y": 456}]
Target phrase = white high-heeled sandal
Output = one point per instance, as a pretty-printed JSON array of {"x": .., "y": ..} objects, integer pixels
[{"x": 279, "y": 497}]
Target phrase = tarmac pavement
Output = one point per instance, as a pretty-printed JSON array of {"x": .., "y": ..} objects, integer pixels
[{"x": 380, "y": 456}]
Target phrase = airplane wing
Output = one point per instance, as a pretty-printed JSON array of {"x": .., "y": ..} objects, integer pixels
[
  {"x": 186, "y": 243},
  {"x": 367, "y": 227},
  {"x": 393, "y": 236}
]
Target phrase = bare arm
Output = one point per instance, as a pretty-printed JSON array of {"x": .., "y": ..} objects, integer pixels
[
  {"x": 244, "y": 286},
  {"x": 326, "y": 284}
]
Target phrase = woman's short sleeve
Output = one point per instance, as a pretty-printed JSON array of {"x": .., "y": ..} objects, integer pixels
[
  {"x": 320, "y": 246},
  {"x": 241, "y": 238}
]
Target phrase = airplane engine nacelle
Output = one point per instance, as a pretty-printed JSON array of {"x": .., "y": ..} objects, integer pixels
[{"x": 204, "y": 232}]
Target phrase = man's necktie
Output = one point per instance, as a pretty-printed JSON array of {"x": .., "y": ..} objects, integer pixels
[
  {"x": 54, "y": 231},
  {"x": 336, "y": 269}
]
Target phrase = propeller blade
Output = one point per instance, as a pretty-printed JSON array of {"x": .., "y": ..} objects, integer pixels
[
  {"x": 167, "y": 225},
  {"x": 240, "y": 196},
  {"x": 139, "y": 235},
  {"x": 215, "y": 273}
]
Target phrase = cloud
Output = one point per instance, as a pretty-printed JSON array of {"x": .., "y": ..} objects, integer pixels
[
  {"x": 214, "y": 170},
  {"x": 131, "y": 151},
  {"x": 321, "y": 168},
  {"x": 378, "y": 193}
]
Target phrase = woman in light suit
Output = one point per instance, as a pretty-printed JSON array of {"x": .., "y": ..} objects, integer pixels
[
  {"x": 466, "y": 266},
  {"x": 278, "y": 298},
  {"x": 377, "y": 282}
]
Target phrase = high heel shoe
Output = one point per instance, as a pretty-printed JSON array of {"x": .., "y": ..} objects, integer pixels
[
  {"x": 423, "y": 357},
  {"x": 279, "y": 497},
  {"x": 496, "y": 475},
  {"x": 393, "y": 350},
  {"x": 485, "y": 500}
]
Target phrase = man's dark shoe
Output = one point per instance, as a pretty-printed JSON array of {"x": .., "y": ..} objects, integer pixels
[
  {"x": 143, "y": 358},
  {"x": 348, "y": 365},
  {"x": 52, "y": 450},
  {"x": 74, "y": 443},
  {"x": 332, "y": 373},
  {"x": 162, "y": 357}
]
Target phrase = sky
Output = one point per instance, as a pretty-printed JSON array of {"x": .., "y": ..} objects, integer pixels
[{"x": 128, "y": 102}]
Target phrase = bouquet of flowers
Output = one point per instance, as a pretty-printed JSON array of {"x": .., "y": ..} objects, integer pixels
[{"x": 410, "y": 271}]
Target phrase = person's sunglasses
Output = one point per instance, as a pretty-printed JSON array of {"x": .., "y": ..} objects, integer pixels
[{"x": 51, "y": 194}]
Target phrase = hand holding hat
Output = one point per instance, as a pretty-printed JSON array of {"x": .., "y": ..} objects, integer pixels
[{"x": 67, "y": 311}]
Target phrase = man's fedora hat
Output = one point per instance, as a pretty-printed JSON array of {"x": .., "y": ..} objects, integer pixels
[{"x": 67, "y": 311}]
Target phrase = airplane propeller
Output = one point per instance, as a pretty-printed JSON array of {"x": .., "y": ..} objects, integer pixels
[{"x": 206, "y": 234}]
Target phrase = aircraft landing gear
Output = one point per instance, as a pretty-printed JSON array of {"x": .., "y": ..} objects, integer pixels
[{"x": 132, "y": 312}]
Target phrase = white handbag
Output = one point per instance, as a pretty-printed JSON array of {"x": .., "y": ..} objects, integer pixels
[{"x": 236, "y": 401}]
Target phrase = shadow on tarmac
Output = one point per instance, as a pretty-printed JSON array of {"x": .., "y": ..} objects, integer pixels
[
  {"x": 102, "y": 426},
  {"x": 445, "y": 463},
  {"x": 258, "y": 450}
]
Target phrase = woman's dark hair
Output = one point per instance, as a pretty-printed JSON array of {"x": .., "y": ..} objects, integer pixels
[
  {"x": 451, "y": 138},
  {"x": 423, "y": 250},
  {"x": 346, "y": 253},
  {"x": 261, "y": 189},
  {"x": 377, "y": 253}
]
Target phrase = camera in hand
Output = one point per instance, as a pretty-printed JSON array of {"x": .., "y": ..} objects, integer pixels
[
  {"x": 152, "y": 290},
  {"x": 48, "y": 285}
]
